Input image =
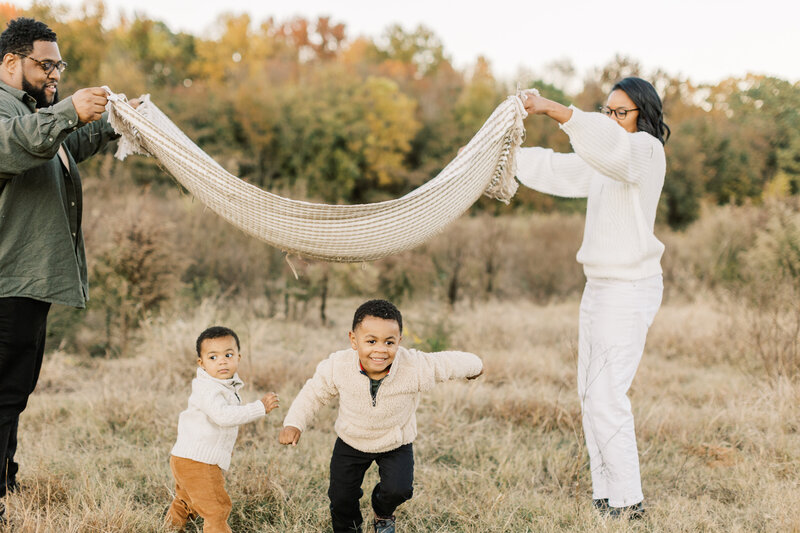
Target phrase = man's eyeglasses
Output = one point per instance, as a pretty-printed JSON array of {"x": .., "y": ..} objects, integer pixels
[
  {"x": 620, "y": 113},
  {"x": 48, "y": 66}
]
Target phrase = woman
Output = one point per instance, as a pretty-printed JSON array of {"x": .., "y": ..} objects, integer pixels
[{"x": 619, "y": 165}]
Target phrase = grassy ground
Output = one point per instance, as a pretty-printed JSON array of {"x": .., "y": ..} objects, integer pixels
[{"x": 719, "y": 444}]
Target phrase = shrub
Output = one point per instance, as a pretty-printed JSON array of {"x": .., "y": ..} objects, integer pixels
[
  {"x": 771, "y": 287},
  {"x": 133, "y": 276},
  {"x": 708, "y": 253}
]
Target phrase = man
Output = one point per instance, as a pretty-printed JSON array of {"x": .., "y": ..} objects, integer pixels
[{"x": 42, "y": 259}]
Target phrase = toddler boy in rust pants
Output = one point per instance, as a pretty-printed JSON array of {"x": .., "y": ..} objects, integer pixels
[{"x": 207, "y": 431}]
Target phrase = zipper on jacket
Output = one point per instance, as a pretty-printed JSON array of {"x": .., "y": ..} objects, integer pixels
[
  {"x": 369, "y": 386},
  {"x": 374, "y": 398}
]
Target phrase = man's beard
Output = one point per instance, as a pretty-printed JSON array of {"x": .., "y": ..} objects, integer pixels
[{"x": 38, "y": 94}]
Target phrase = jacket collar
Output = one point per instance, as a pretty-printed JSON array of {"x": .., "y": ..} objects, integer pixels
[
  {"x": 234, "y": 383},
  {"x": 363, "y": 370}
]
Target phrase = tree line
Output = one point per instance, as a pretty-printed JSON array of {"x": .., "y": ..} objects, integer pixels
[{"x": 301, "y": 108}]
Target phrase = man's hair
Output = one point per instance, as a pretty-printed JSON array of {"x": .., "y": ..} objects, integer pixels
[
  {"x": 21, "y": 33},
  {"x": 378, "y": 309},
  {"x": 216, "y": 332}
]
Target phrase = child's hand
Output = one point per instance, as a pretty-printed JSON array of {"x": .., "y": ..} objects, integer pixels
[
  {"x": 270, "y": 401},
  {"x": 289, "y": 435},
  {"x": 476, "y": 376}
]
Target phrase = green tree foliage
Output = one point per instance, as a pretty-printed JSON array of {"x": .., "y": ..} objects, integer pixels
[
  {"x": 480, "y": 95},
  {"x": 159, "y": 57},
  {"x": 419, "y": 51},
  {"x": 683, "y": 186},
  {"x": 774, "y": 105},
  {"x": 349, "y": 141}
]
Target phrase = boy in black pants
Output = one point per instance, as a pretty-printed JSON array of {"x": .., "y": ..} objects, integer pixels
[{"x": 379, "y": 385}]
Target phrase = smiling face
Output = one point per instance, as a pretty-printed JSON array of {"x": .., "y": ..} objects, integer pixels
[
  {"x": 376, "y": 340},
  {"x": 618, "y": 99},
  {"x": 41, "y": 85},
  {"x": 219, "y": 357}
]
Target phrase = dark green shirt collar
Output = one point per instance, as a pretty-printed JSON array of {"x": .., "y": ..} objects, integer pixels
[{"x": 19, "y": 94}]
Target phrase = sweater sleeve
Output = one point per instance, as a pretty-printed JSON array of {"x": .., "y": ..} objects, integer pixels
[
  {"x": 609, "y": 149},
  {"x": 317, "y": 392},
  {"x": 214, "y": 405},
  {"x": 443, "y": 366},
  {"x": 553, "y": 173}
]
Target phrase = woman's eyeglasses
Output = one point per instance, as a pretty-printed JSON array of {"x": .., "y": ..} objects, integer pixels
[
  {"x": 47, "y": 65},
  {"x": 620, "y": 113}
]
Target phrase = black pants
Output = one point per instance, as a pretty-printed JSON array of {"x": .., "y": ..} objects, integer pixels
[
  {"x": 23, "y": 323},
  {"x": 348, "y": 466}
]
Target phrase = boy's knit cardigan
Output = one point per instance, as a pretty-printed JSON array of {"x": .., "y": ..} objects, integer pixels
[
  {"x": 622, "y": 175},
  {"x": 208, "y": 428},
  {"x": 391, "y": 420}
]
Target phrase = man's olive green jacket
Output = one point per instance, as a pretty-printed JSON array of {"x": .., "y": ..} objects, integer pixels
[{"x": 41, "y": 202}]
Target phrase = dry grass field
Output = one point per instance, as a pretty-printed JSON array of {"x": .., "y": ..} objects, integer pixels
[{"x": 719, "y": 441}]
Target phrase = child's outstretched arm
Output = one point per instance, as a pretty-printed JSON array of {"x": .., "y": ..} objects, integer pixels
[
  {"x": 223, "y": 414},
  {"x": 443, "y": 366},
  {"x": 317, "y": 392}
]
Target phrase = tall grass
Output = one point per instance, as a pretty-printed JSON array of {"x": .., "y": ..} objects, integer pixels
[{"x": 719, "y": 448}]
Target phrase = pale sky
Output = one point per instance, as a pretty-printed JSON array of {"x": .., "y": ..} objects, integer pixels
[{"x": 706, "y": 40}]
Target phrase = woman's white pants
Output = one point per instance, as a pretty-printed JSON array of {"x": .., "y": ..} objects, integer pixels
[{"x": 614, "y": 318}]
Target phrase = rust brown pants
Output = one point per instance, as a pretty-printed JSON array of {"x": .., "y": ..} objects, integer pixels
[{"x": 199, "y": 491}]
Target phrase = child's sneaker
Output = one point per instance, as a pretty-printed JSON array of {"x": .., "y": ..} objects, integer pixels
[{"x": 384, "y": 525}]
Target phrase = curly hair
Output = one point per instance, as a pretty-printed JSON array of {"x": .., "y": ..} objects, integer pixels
[
  {"x": 215, "y": 332},
  {"x": 378, "y": 309},
  {"x": 21, "y": 33}
]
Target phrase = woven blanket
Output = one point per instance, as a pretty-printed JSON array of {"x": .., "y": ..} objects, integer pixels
[{"x": 340, "y": 233}]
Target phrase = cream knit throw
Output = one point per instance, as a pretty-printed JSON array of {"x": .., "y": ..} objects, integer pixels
[{"x": 342, "y": 233}]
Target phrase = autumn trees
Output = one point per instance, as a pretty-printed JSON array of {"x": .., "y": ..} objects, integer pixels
[{"x": 303, "y": 108}]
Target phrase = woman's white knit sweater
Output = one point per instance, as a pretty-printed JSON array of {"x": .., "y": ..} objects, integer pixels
[
  {"x": 391, "y": 421},
  {"x": 621, "y": 174},
  {"x": 208, "y": 428}
]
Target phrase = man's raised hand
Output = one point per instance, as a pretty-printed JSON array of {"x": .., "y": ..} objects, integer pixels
[{"x": 90, "y": 103}]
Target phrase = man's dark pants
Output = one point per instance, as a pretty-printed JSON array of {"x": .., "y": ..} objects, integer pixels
[
  {"x": 23, "y": 324},
  {"x": 348, "y": 466}
]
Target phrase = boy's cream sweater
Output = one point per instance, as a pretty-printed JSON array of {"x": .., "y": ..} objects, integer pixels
[
  {"x": 208, "y": 428},
  {"x": 621, "y": 174},
  {"x": 391, "y": 421}
]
